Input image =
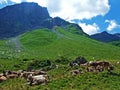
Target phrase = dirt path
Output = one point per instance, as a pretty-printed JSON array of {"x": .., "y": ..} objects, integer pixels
[
  {"x": 60, "y": 34},
  {"x": 16, "y": 43}
]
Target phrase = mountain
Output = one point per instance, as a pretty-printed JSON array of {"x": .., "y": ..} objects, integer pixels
[
  {"x": 117, "y": 34},
  {"x": 17, "y": 19},
  {"x": 20, "y": 18},
  {"x": 106, "y": 37},
  {"x": 51, "y": 44}
]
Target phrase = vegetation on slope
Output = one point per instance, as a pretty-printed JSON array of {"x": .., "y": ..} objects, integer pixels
[
  {"x": 116, "y": 43},
  {"x": 62, "y": 79},
  {"x": 59, "y": 45},
  {"x": 51, "y": 45}
]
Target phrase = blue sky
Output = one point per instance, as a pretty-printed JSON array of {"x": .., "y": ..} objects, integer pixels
[{"x": 93, "y": 16}]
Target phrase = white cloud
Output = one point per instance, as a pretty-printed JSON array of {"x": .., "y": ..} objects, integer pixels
[
  {"x": 17, "y": 1},
  {"x": 112, "y": 25},
  {"x": 3, "y": 1},
  {"x": 73, "y": 9},
  {"x": 77, "y": 9},
  {"x": 40, "y": 2},
  {"x": 90, "y": 29}
]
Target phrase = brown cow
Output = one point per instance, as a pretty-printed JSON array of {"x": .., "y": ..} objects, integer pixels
[
  {"x": 39, "y": 72},
  {"x": 26, "y": 74},
  {"x": 11, "y": 76},
  {"x": 90, "y": 69},
  {"x": 2, "y": 78},
  {"x": 75, "y": 72},
  {"x": 102, "y": 64}
]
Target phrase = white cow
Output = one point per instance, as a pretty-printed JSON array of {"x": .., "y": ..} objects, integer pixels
[{"x": 38, "y": 79}]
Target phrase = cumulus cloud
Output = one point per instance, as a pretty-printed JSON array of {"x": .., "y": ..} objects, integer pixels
[
  {"x": 3, "y": 1},
  {"x": 77, "y": 9},
  {"x": 17, "y": 1},
  {"x": 112, "y": 25},
  {"x": 90, "y": 29},
  {"x": 40, "y": 2}
]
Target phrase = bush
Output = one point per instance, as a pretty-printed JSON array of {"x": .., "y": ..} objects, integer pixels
[{"x": 37, "y": 64}]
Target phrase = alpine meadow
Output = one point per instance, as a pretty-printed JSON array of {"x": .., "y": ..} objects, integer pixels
[{"x": 38, "y": 52}]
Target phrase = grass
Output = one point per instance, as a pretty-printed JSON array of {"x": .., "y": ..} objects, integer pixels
[
  {"x": 45, "y": 44},
  {"x": 116, "y": 43},
  {"x": 68, "y": 45},
  {"x": 61, "y": 79}
]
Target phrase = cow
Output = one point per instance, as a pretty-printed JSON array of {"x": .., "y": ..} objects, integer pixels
[
  {"x": 2, "y": 78},
  {"x": 76, "y": 72},
  {"x": 90, "y": 69},
  {"x": 11, "y": 76},
  {"x": 26, "y": 74},
  {"x": 39, "y": 72},
  {"x": 101, "y": 65},
  {"x": 78, "y": 61},
  {"x": 38, "y": 79}
]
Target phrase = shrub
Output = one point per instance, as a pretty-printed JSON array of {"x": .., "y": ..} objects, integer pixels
[{"x": 36, "y": 64}]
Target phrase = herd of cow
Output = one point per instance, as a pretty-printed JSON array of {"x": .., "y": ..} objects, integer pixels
[
  {"x": 38, "y": 77},
  {"x": 33, "y": 77},
  {"x": 91, "y": 66}
]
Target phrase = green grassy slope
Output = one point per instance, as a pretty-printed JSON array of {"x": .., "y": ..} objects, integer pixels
[
  {"x": 48, "y": 44},
  {"x": 53, "y": 44}
]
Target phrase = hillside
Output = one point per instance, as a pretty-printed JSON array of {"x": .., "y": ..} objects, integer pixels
[
  {"x": 54, "y": 43},
  {"x": 66, "y": 44},
  {"x": 116, "y": 43},
  {"x": 59, "y": 46}
]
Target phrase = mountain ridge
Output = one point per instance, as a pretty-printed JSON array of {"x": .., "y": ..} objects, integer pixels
[
  {"x": 106, "y": 37},
  {"x": 20, "y": 18}
]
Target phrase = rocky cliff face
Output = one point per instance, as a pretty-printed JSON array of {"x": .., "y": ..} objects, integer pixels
[{"x": 17, "y": 19}]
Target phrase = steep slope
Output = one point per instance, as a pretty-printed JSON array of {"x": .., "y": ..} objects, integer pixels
[
  {"x": 106, "y": 37},
  {"x": 17, "y": 19},
  {"x": 52, "y": 44}
]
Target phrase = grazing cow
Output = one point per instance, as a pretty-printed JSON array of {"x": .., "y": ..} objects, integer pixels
[
  {"x": 2, "y": 78},
  {"x": 26, "y": 74},
  {"x": 6, "y": 72},
  {"x": 10, "y": 73},
  {"x": 78, "y": 61},
  {"x": 72, "y": 64},
  {"x": 39, "y": 72},
  {"x": 99, "y": 68},
  {"x": 101, "y": 65},
  {"x": 76, "y": 72},
  {"x": 11, "y": 76},
  {"x": 38, "y": 79},
  {"x": 90, "y": 69}
]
